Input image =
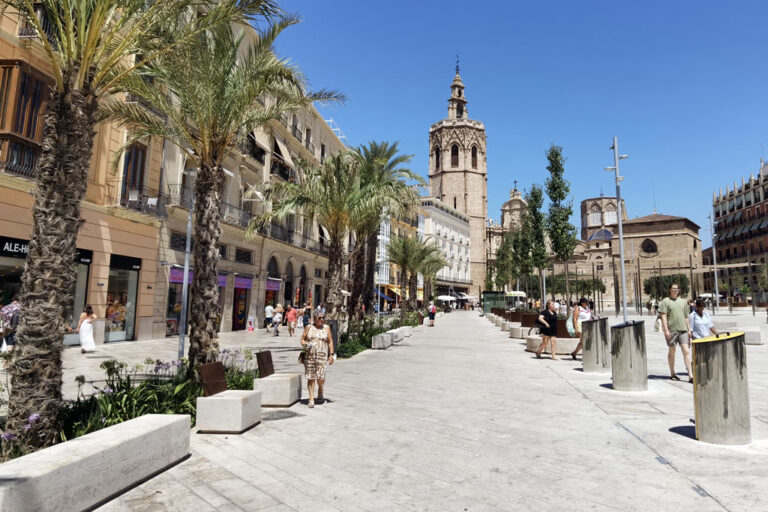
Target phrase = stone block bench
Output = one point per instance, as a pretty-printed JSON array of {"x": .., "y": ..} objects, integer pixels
[
  {"x": 515, "y": 331},
  {"x": 87, "y": 471},
  {"x": 382, "y": 341},
  {"x": 222, "y": 410},
  {"x": 397, "y": 335},
  {"x": 564, "y": 345},
  {"x": 277, "y": 389},
  {"x": 505, "y": 325},
  {"x": 752, "y": 337}
]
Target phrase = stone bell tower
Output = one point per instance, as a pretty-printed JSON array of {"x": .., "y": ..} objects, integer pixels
[{"x": 457, "y": 173}]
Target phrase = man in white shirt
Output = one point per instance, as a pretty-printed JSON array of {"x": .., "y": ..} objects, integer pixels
[
  {"x": 268, "y": 313},
  {"x": 701, "y": 324}
]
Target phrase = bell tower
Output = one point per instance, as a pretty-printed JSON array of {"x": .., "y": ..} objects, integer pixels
[{"x": 457, "y": 173}]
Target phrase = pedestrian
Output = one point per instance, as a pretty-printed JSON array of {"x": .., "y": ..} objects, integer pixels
[
  {"x": 548, "y": 321},
  {"x": 691, "y": 306},
  {"x": 268, "y": 312},
  {"x": 85, "y": 330},
  {"x": 321, "y": 310},
  {"x": 537, "y": 304},
  {"x": 431, "y": 312},
  {"x": 677, "y": 329},
  {"x": 10, "y": 316},
  {"x": 307, "y": 316},
  {"x": 277, "y": 319},
  {"x": 580, "y": 313},
  {"x": 700, "y": 322},
  {"x": 291, "y": 314},
  {"x": 318, "y": 346}
]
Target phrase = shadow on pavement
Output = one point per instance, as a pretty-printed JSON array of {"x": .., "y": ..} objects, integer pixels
[{"x": 688, "y": 431}]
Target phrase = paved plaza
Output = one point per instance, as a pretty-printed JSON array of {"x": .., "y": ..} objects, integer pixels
[{"x": 460, "y": 418}]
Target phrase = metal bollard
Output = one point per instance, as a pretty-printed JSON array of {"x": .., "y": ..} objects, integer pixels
[
  {"x": 597, "y": 347},
  {"x": 629, "y": 361},
  {"x": 720, "y": 389}
]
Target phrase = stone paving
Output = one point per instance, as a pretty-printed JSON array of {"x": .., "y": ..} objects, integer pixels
[{"x": 460, "y": 418}]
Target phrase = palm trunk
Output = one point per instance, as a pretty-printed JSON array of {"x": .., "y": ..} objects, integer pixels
[
  {"x": 403, "y": 300},
  {"x": 204, "y": 311},
  {"x": 48, "y": 282},
  {"x": 371, "y": 243},
  {"x": 335, "y": 276},
  {"x": 413, "y": 289},
  {"x": 358, "y": 280}
]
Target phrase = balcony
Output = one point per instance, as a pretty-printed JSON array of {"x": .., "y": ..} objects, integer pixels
[
  {"x": 27, "y": 29},
  {"x": 130, "y": 98},
  {"x": 281, "y": 169},
  {"x": 144, "y": 200},
  {"x": 250, "y": 148},
  {"x": 180, "y": 196},
  {"x": 19, "y": 168},
  {"x": 296, "y": 133},
  {"x": 311, "y": 147}
]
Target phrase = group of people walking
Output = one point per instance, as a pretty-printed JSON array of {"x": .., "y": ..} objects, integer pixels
[
  {"x": 292, "y": 317},
  {"x": 679, "y": 324}
]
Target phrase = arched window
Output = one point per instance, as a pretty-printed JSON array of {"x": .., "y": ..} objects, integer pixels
[
  {"x": 437, "y": 159},
  {"x": 649, "y": 246},
  {"x": 288, "y": 285},
  {"x": 454, "y": 156},
  {"x": 610, "y": 216},
  {"x": 460, "y": 111},
  {"x": 474, "y": 157},
  {"x": 272, "y": 269},
  {"x": 594, "y": 218},
  {"x": 454, "y": 202}
]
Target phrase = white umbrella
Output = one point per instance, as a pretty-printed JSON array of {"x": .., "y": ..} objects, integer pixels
[{"x": 446, "y": 298}]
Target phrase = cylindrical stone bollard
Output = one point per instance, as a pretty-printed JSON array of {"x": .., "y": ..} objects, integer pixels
[
  {"x": 597, "y": 346},
  {"x": 629, "y": 361},
  {"x": 720, "y": 389}
]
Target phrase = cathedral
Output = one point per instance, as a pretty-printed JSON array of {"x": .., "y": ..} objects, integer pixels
[{"x": 458, "y": 176}]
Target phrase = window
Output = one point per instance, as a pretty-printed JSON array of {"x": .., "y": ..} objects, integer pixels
[
  {"x": 610, "y": 217},
  {"x": 30, "y": 99},
  {"x": 454, "y": 202},
  {"x": 133, "y": 170},
  {"x": 322, "y": 153},
  {"x": 460, "y": 111},
  {"x": 308, "y": 136},
  {"x": 437, "y": 159},
  {"x": 5, "y": 82},
  {"x": 243, "y": 256},
  {"x": 474, "y": 157},
  {"x": 760, "y": 246},
  {"x": 318, "y": 272},
  {"x": 178, "y": 242},
  {"x": 649, "y": 246},
  {"x": 694, "y": 244},
  {"x": 222, "y": 252},
  {"x": 594, "y": 218},
  {"x": 454, "y": 156}
]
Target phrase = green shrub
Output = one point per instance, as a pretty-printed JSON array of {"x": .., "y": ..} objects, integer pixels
[{"x": 358, "y": 338}]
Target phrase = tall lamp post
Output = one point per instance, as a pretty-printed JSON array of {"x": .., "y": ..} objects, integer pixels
[
  {"x": 714, "y": 263},
  {"x": 185, "y": 280},
  {"x": 619, "y": 178}
]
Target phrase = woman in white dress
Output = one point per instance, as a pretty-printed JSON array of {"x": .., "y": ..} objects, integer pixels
[{"x": 85, "y": 329}]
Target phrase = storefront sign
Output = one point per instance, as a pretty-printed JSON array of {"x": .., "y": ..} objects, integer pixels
[
  {"x": 18, "y": 248},
  {"x": 243, "y": 282},
  {"x": 273, "y": 284},
  {"x": 125, "y": 262},
  {"x": 177, "y": 276},
  {"x": 222, "y": 280}
]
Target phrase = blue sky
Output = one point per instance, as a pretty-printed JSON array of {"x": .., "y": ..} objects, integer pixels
[{"x": 681, "y": 83}]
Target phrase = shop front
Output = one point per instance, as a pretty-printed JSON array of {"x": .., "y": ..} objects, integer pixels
[
  {"x": 13, "y": 253},
  {"x": 272, "y": 289},
  {"x": 175, "y": 292},
  {"x": 241, "y": 300},
  {"x": 122, "y": 288}
]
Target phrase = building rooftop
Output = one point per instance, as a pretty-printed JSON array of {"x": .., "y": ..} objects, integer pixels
[{"x": 658, "y": 217}]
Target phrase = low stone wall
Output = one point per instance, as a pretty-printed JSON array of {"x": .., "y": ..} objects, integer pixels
[{"x": 87, "y": 471}]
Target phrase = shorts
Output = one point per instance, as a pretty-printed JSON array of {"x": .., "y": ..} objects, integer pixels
[
  {"x": 679, "y": 337},
  {"x": 292, "y": 325},
  {"x": 431, "y": 316}
]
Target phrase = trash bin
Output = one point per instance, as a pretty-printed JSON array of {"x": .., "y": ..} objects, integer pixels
[
  {"x": 720, "y": 389},
  {"x": 629, "y": 360},
  {"x": 597, "y": 346}
]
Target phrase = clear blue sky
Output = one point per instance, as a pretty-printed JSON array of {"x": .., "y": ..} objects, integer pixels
[{"x": 683, "y": 84}]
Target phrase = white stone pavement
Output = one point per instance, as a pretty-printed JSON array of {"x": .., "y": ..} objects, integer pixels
[{"x": 460, "y": 418}]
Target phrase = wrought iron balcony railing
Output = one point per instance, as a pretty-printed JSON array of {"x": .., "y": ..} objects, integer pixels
[{"x": 144, "y": 200}]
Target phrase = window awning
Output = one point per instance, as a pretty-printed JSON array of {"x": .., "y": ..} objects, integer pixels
[
  {"x": 284, "y": 150},
  {"x": 382, "y": 296},
  {"x": 729, "y": 219},
  {"x": 755, "y": 226},
  {"x": 764, "y": 224},
  {"x": 737, "y": 216}
]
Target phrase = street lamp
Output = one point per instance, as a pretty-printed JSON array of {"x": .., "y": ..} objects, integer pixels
[
  {"x": 714, "y": 262},
  {"x": 615, "y": 169}
]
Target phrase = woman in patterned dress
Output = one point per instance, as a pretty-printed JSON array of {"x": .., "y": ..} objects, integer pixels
[{"x": 318, "y": 339}]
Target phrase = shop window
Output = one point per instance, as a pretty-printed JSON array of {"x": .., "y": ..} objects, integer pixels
[
  {"x": 222, "y": 252},
  {"x": 122, "y": 288},
  {"x": 243, "y": 256}
]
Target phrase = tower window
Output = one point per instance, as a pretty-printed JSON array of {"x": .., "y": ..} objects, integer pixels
[
  {"x": 474, "y": 157},
  {"x": 437, "y": 159},
  {"x": 454, "y": 156},
  {"x": 460, "y": 111},
  {"x": 454, "y": 202}
]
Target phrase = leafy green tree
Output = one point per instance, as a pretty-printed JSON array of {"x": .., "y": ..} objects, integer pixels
[
  {"x": 489, "y": 280},
  {"x": 386, "y": 186},
  {"x": 413, "y": 256},
  {"x": 506, "y": 272},
  {"x": 562, "y": 234},
  {"x": 229, "y": 77},
  {"x": 536, "y": 228},
  {"x": 658, "y": 287},
  {"x": 91, "y": 46}
]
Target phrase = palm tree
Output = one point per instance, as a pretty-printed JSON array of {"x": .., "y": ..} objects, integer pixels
[
  {"x": 429, "y": 269},
  {"x": 90, "y": 46},
  {"x": 413, "y": 256},
  {"x": 330, "y": 194},
  {"x": 227, "y": 78},
  {"x": 402, "y": 252},
  {"x": 384, "y": 180}
]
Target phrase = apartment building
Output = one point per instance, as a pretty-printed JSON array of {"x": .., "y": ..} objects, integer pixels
[
  {"x": 450, "y": 229},
  {"x": 132, "y": 242}
]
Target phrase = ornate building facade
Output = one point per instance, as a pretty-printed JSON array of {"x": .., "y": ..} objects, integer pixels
[{"x": 458, "y": 173}]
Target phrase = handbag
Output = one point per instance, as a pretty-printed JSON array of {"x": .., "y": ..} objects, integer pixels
[
  {"x": 569, "y": 325},
  {"x": 302, "y": 357}
]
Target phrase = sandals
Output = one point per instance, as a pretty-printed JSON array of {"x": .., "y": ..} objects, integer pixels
[
  {"x": 573, "y": 355},
  {"x": 538, "y": 355},
  {"x": 311, "y": 405},
  {"x": 674, "y": 377}
]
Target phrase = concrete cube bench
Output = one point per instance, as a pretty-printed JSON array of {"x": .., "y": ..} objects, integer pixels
[
  {"x": 230, "y": 412},
  {"x": 116, "y": 458},
  {"x": 407, "y": 330},
  {"x": 382, "y": 341},
  {"x": 397, "y": 335},
  {"x": 752, "y": 337},
  {"x": 279, "y": 389},
  {"x": 505, "y": 325}
]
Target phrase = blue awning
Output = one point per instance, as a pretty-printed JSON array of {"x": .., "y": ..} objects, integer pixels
[{"x": 382, "y": 295}]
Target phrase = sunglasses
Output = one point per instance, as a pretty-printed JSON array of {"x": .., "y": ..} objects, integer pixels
[{"x": 319, "y": 318}]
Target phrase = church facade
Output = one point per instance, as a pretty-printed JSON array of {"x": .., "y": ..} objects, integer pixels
[{"x": 458, "y": 174}]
